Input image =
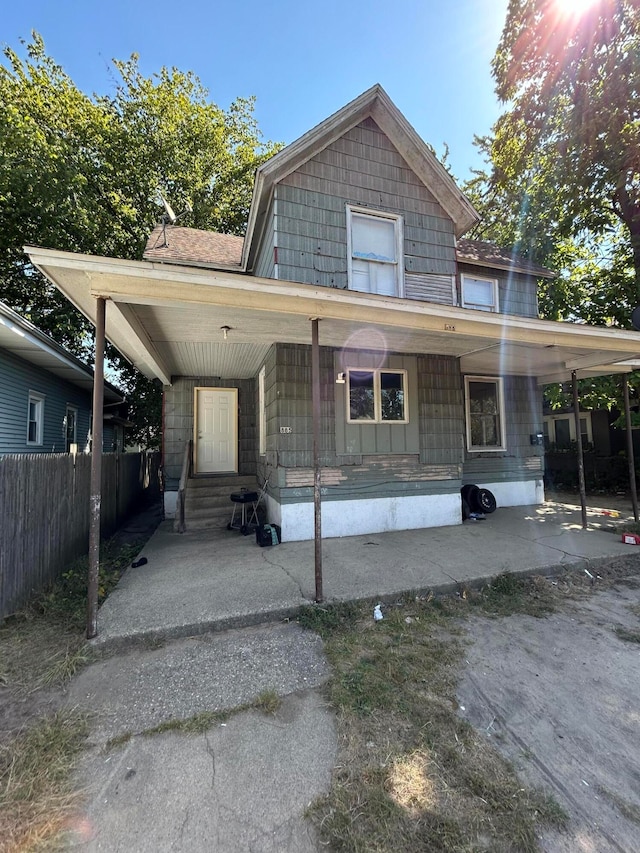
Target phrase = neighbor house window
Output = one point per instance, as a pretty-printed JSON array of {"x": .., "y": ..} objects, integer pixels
[
  {"x": 485, "y": 413},
  {"x": 480, "y": 293},
  {"x": 35, "y": 418},
  {"x": 374, "y": 244},
  {"x": 562, "y": 430},
  {"x": 377, "y": 396},
  {"x": 262, "y": 413}
]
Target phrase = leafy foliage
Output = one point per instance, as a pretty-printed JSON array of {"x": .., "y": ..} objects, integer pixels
[
  {"x": 563, "y": 179},
  {"x": 85, "y": 174}
]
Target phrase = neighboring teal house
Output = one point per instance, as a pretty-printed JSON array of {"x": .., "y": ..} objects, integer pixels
[
  {"x": 430, "y": 352},
  {"x": 46, "y": 394}
]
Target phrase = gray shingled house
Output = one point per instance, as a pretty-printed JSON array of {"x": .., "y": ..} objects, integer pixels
[{"x": 431, "y": 354}]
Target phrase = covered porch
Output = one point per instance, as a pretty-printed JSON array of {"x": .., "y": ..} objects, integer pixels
[{"x": 216, "y": 579}]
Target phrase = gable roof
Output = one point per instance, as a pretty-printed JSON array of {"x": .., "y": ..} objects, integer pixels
[
  {"x": 374, "y": 103},
  {"x": 24, "y": 340},
  {"x": 482, "y": 254}
]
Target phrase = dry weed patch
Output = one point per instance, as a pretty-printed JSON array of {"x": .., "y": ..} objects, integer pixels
[
  {"x": 412, "y": 774},
  {"x": 37, "y": 798}
]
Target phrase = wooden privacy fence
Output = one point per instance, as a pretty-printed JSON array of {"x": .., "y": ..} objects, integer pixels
[{"x": 44, "y": 513}]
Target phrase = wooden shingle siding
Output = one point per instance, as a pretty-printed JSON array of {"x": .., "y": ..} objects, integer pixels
[
  {"x": 17, "y": 379},
  {"x": 517, "y": 293},
  {"x": 376, "y": 438},
  {"x": 523, "y": 417},
  {"x": 441, "y": 402},
  {"x": 361, "y": 168},
  {"x": 430, "y": 288},
  {"x": 389, "y": 461}
]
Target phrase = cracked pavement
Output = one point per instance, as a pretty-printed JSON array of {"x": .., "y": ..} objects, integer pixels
[{"x": 242, "y": 785}]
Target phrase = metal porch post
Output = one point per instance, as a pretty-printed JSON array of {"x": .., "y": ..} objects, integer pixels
[
  {"x": 630, "y": 453},
  {"x": 316, "y": 412},
  {"x": 576, "y": 414},
  {"x": 96, "y": 473}
]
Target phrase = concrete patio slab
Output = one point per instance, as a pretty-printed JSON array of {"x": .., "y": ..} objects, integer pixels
[{"x": 213, "y": 580}]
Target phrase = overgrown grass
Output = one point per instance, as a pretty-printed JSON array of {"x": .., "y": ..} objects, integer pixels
[
  {"x": 411, "y": 774},
  {"x": 626, "y": 634},
  {"x": 37, "y": 797},
  {"x": 43, "y": 645},
  {"x": 40, "y": 649}
]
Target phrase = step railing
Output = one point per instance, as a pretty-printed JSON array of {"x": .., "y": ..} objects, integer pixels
[{"x": 182, "y": 488}]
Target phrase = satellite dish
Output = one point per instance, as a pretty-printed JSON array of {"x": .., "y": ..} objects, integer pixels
[
  {"x": 170, "y": 214},
  {"x": 635, "y": 318}
]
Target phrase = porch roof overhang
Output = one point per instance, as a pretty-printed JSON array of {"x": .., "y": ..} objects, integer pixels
[{"x": 168, "y": 320}]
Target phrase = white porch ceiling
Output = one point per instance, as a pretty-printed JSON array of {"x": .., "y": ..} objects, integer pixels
[{"x": 167, "y": 320}]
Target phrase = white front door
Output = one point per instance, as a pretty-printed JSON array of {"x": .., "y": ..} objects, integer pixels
[{"x": 216, "y": 430}]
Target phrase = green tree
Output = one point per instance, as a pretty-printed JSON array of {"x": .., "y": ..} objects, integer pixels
[
  {"x": 563, "y": 183},
  {"x": 85, "y": 173}
]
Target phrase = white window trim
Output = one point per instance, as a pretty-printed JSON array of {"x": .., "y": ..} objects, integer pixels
[
  {"x": 399, "y": 237},
  {"x": 503, "y": 439},
  {"x": 551, "y": 421},
  {"x": 377, "y": 402},
  {"x": 36, "y": 397},
  {"x": 496, "y": 293},
  {"x": 262, "y": 413}
]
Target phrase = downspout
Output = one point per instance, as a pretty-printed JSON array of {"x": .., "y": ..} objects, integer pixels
[{"x": 96, "y": 473}]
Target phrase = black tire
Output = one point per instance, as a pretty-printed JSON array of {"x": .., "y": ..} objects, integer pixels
[
  {"x": 485, "y": 501},
  {"x": 469, "y": 493},
  {"x": 244, "y": 529}
]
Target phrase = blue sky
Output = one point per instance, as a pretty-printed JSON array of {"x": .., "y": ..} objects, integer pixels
[{"x": 302, "y": 61}]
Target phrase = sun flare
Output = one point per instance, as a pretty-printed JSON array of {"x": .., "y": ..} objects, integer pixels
[{"x": 574, "y": 7}]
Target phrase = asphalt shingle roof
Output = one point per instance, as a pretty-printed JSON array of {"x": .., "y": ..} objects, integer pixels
[{"x": 178, "y": 245}]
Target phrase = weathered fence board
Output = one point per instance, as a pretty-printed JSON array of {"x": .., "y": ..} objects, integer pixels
[{"x": 44, "y": 513}]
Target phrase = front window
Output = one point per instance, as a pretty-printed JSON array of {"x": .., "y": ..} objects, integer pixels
[
  {"x": 375, "y": 252},
  {"x": 479, "y": 293},
  {"x": 377, "y": 396},
  {"x": 35, "y": 418},
  {"x": 485, "y": 413}
]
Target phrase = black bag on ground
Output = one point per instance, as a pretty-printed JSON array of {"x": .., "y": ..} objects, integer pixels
[{"x": 268, "y": 534}]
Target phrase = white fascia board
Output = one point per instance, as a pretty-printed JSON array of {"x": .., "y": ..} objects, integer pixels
[
  {"x": 600, "y": 370},
  {"x": 156, "y": 284},
  {"x": 127, "y": 333}
]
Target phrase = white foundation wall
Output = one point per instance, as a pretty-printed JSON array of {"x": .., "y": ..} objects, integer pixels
[
  {"x": 519, "y": 493},
  {"x": 353, "y": 518}
]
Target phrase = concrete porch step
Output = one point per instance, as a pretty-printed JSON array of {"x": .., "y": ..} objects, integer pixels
[
  {"x": 208, "y": 501},
  {"x": 228, "y": 481}
]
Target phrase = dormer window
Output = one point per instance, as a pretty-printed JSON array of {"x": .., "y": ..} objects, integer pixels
[
  {"x": 374, "y": 245},
  {"x": 479, "y": 293}
]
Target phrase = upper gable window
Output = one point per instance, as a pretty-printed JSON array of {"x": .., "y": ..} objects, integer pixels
[
  {"x": 480, "y": 293},
  {"x": 374, "y": 242}
]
